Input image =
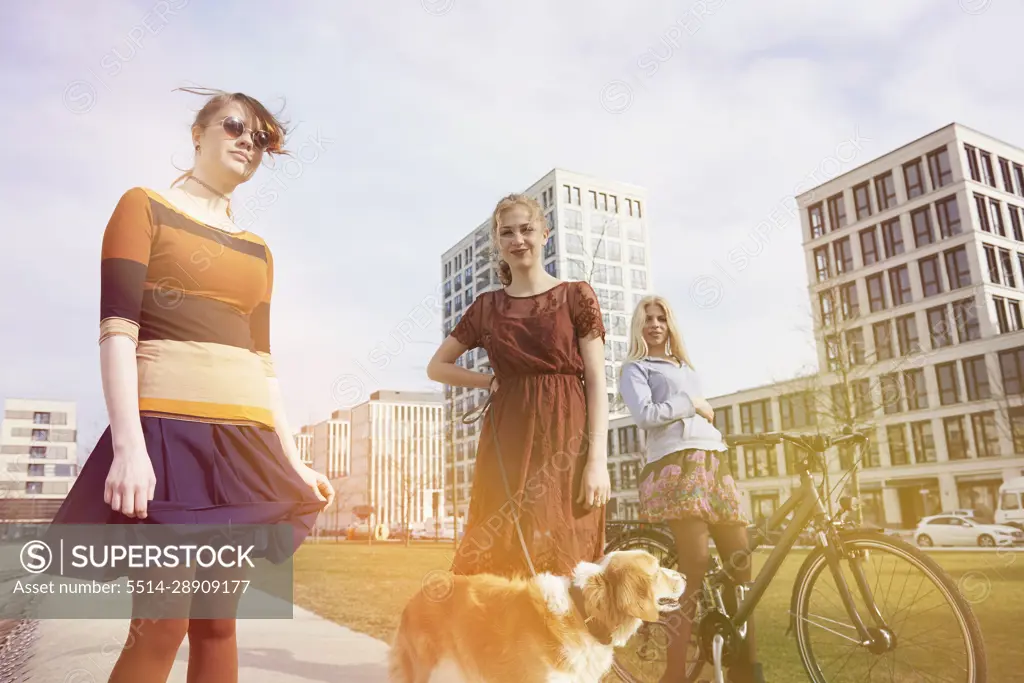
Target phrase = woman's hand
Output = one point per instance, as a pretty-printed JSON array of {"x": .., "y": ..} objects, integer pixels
[
  {"x": 317, "y": 481},
  {"x": 131, "y": 482},
  {"x": 596, "y": 487},
  {"x": 704, "y": 409}
]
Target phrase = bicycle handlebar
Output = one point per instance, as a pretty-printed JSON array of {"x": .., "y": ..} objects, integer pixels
[{"x": 814, "y": 443}]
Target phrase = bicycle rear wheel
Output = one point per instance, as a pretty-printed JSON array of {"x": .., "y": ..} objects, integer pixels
[
  {"x": 936, "y": 635},
  {"x": 643, "y": 658}
]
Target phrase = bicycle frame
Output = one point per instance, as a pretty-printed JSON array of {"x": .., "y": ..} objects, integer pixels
[{"x": 808, "y": 506}]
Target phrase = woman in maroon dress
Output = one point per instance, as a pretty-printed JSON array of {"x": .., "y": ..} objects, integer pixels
[{"x": 549, "y": 409}]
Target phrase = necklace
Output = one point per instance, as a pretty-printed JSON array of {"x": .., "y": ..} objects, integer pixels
[
  {"x": 207, "y": 186},
  {"x": 233, "y": 228}
]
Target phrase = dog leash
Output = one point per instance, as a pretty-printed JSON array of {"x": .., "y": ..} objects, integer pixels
[
  {"x": 473, "y": 416},
  {"x": 575, "y": 594}
]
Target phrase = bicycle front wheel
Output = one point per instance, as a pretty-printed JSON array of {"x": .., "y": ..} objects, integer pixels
[
  {"x": 643, "y": 658},
  {"x": 933, "y": 632}
]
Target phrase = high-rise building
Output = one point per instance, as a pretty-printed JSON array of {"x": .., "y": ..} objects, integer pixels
[
  {"x": 396, "y": 463},
  {"x": 38, "y": 457},
  {"x": 599, "y": 234}
]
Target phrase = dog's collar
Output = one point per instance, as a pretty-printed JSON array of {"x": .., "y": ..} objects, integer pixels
[{"x": 601, "y": 634}]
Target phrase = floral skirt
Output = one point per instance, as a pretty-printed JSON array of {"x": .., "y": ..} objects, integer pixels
[{"x": 690, "y": 484}]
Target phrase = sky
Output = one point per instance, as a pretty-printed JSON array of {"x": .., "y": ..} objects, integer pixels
[{"x": 409, "y": 122}]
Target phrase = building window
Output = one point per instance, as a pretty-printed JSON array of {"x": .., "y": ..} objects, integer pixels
[
  {"x": 844, "y": 256},
  {"x": 1007, "y": 262},
  {"x": 855, "y": 346},
  {"x": 924, "y": 441},
  {"x": 987, "y": 172},
  {"x": 913, "y": 179},
  {"x": 995, "y": 214},
  {"x": 882, "y": 332},
  {"x": 1004, "y": 167},
  {"x": 636, "y": 255},
  {"x": 897, "y": 437},
  {"x": 849, "y": 306},
  {"x": 906, "y": 334},
  {"x": 976, "y": 378},
  {"x": 827, "y": 308},
  {"x": 821, "y": 264},
  {"x": 931, "y": 276},
  {"x": 956, "y": 439},
  {"x": 915, "y": 390},
  {"x": 921, "y": 220},
  {"x": 1017, "y": 428},
  {"x": 41, "y": 418},
  {"x": 1007, "y": 314},
  {"x": 885, "y": 190},
  {"x": 1015, "y": 223},
  {"x": 1018, "y": 176},
  {"x": 986, "y": 438},
  {"x": 836, "y": 212},
  {"x": 1011, "y": 367},
  {"x": 957, "y": 268},
  {"x": 949, "y": 387},
  {"x": 638, "y": 278},
  {"x": 862, "y": 200},
  {"x": 899, "y": 286},
  {"x": 948, "y": 212},
  {"x": 965, "y": 315},
  {"x": 891, "y": 395},
  {"x": 39, "y": 434},
  {"x": 876, "y": 292},
  {"x": 869, "y": 246},
  {"x": 938, "y": 327},
  {"x": 797, "y": 411},
  {"x": 816, "y": 220},
  {"x": 939, "y": 168},
  {"x": 979, "y": 204},
  {"x": 993, "y": 264},
  {"x": 972, "y": 162},
  {"x": 892, "y": 237},
  {"x": 756, "y": 417}
]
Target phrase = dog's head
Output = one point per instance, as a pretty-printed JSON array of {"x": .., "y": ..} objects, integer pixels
[{"x": 626, "y": 588}]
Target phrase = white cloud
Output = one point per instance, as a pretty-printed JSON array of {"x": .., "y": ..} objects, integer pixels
[{"x": 433, "y": 117}]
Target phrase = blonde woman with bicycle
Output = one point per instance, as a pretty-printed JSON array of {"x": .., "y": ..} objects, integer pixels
[{"x": 685, "y": 483}]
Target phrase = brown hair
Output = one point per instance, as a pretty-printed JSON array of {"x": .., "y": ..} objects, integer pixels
[
  {"x": 218, "y": 99},
  {"x": 536, "y": 216}
]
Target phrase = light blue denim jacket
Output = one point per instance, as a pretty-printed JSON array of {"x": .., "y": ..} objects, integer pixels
[{"x": 657, "y": 393}]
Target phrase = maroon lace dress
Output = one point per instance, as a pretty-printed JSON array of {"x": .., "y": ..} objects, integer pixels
[{"x": 540, "y": 412}]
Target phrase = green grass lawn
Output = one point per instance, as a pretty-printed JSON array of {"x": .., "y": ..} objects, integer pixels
[{"x": 365, "y": 588}]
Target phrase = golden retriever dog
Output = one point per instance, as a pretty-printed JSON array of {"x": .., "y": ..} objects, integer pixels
[{"x": 546, "y": 629}]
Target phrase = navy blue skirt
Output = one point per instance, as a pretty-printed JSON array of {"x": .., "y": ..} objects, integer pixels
[{"x": 206, "y": 474}]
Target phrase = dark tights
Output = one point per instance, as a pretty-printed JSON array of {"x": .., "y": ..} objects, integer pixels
[{"x": 692, "y": 549}]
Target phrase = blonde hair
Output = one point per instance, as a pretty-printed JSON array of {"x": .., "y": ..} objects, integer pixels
[
  {"x": 675, "y": 347},
  {"x": 536, "y": 214}
]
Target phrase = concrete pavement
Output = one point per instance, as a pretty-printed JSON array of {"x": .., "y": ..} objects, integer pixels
[{"x": 304, "y": 649}]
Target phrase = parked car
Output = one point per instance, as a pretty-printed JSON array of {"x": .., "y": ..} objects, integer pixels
[{"x": 961, "y": 530}]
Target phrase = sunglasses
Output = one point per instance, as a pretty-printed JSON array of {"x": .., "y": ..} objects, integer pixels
[{"x": 235, "y": 128}]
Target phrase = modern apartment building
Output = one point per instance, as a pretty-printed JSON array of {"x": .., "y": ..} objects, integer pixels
[
  {"x": 395, "y": 459},
  {"x": 599, "y": 234},
  {"x": 38, "y": 457},
  {"x": 915, "y": 268}
]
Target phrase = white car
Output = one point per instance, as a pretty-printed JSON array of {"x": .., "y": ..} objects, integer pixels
[{"x": 959, "y": 530}]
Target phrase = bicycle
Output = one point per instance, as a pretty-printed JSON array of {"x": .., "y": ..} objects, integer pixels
[{"x": 842, "y": 552}]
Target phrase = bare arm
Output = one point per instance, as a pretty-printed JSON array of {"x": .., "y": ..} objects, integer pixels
[
  {"x": 442, "y": 367},
  {"x": 120, "y": 375},
  {"x": 592, "y": 350}
]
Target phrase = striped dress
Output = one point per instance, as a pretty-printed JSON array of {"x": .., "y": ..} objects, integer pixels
[{"x": 195, "y": 300}]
